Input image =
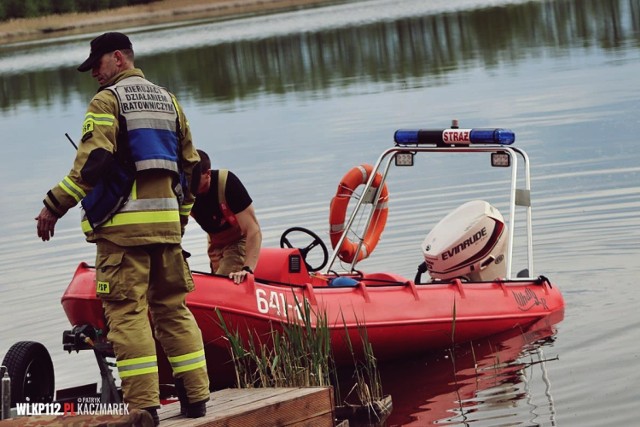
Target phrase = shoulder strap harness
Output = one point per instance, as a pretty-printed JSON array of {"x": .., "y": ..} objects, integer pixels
[{"x": 224, "y": 207}]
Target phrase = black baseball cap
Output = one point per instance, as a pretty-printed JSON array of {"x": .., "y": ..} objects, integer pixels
[{"x": 108, "y": 42}]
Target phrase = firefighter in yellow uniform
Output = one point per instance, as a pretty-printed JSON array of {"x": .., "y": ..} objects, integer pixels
[{"x": 132, "y": 174}]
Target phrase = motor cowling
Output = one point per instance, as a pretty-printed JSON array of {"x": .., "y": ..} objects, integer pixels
[{"x": 469, "y": 243}]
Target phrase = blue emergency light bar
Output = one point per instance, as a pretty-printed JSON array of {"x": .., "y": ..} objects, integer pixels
[{"x": 454, "y": 136}]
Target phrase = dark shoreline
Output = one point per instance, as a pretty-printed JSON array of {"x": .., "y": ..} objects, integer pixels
[{"x": 43, "y": 28}]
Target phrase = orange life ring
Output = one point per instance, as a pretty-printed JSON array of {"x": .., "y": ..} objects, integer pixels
[{"x": 358, "y": 175}]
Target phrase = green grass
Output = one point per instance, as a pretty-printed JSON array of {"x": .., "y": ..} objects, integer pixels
[{"x": 298, "y": 354}]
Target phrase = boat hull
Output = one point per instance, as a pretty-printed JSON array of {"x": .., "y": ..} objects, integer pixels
[{"x": 401, "y": 318}]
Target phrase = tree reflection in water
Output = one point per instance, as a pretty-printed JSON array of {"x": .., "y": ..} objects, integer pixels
[{"x": 411, "y": 52}]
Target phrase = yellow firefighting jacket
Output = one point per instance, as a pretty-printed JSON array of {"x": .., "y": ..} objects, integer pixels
[{"x": 153, "y": 214}]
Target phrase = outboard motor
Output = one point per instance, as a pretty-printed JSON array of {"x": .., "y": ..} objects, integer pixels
[{"x": 469, "y": 243}]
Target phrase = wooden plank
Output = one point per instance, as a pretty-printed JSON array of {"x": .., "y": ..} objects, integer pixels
[
  {"x": 295, "y": 407},
  {"x": 229, "y": 399},
  {"x": 260, "y": 406},
  {"x": 250, "y": 407},
  {"x": 137, "y": 417},
  {"x": 283, "y": 407}
]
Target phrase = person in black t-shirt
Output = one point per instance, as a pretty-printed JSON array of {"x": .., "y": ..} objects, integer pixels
[{"x": 224, "y": 209}]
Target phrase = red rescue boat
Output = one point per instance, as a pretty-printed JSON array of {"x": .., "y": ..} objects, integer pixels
[{"x": 470, "y": 291}]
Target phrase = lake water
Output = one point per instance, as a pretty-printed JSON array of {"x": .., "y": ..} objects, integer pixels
[{"x": 292, "y": 101}]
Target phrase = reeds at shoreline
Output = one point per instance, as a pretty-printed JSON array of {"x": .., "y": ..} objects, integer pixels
[{"x": 298, "y": 354}]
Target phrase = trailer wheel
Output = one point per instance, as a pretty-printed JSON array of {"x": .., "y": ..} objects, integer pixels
[{"x": 31, "y": 371}]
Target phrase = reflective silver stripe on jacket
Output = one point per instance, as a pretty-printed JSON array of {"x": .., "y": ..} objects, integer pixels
[
  {"x": 149, "y": 205},
  {"x": 160, "y": 204}
]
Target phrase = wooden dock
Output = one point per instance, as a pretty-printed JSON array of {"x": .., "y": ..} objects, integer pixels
[{"x": 254, "y": 407}]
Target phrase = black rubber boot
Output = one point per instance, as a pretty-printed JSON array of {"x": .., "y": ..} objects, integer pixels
[
  {"x": 189, "y": 410},
  {"x": 197, "y": 409},
  {"x": 182, "y": 396},
  {"x": 154, "y": 414}
]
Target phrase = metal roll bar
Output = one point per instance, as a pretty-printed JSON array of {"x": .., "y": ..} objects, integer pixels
[{"x": 518, "y": 197}]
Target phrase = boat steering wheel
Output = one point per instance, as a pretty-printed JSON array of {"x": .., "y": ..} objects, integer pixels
[{"x": 317, "y": 241}]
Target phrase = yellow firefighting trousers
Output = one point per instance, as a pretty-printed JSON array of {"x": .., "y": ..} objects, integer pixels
[
  {"x": 133, "y": 281},
  {"x": 227, "y": 258}
]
